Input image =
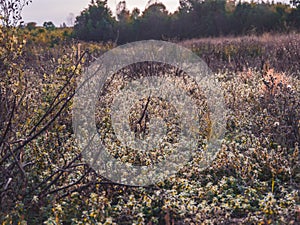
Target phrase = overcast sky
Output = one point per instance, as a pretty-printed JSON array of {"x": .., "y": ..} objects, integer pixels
[
  {"x": 59, "y": 11},
  {"x": 65, "y": 11}
]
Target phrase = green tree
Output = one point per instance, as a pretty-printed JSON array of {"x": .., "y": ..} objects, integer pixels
[
  {"x": 203, "y": 18},
  {"x": 49, "y": 25},
  {"x": 124, "y": 26},
  {"x": 31, "y": 25},
  {"x": 155, "y": 22},
  {"x": 294, "y": 17},
  {"x": 95, "y": 23},
  {"x": 255, "y": 18}
]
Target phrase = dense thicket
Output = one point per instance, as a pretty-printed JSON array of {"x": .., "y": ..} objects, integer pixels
[
  {"x": 193, "y": 19},
  {"x": 254, "y": 179}
]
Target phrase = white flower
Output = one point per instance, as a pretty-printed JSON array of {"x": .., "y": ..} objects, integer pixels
[{"x": 35, "y": 199}]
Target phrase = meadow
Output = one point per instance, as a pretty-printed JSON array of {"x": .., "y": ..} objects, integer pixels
[{"x": 255, "y": 178}]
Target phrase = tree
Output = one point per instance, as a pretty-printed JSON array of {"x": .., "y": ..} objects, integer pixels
[
  {"x": 31, "y": 25},
  {"x": 154, "y": 22},
  {"x": 123, "y": 26},
  {"x": 295, "y": 3},
  {"x": 135, "y": 13},
  {"x": 185, "y": 5},
  {"x": 49, "y": 25},
  {"x": 193, "y": 19},
  {"x": 293, "y": 18},
  {"x": 122, "y": 12},
  {"x": 95, "y": 23},
  {"x": 251, "y": 17},
  {"x": 10, "y": 11},
  {"x": 202, "y": 18},
  {"x": 70, "y": 19}
]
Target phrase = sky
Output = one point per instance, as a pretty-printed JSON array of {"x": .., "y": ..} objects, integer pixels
[{"x": 65, "y": 11}]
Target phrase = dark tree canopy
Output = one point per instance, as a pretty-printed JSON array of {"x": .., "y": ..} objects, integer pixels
[
  {"x": 49, "y": 25},
  {"x": 193, "y": 19},
  {"x": 95, "y": 23}
]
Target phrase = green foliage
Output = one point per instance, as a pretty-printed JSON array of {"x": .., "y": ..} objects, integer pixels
[
  {"x": 193, "y": 19},
  {"x": 31, "y": 25},
  {"x": 49, "y": 25},
  {"x": 95, "y": 23},
  {"x": 46, "y": 36}
]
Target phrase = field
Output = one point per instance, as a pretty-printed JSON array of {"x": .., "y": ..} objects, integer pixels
[{"x": 254, "y": 179}]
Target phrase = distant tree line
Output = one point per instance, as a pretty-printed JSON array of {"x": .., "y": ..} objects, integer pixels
[{"x": 193, "y": 19}]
